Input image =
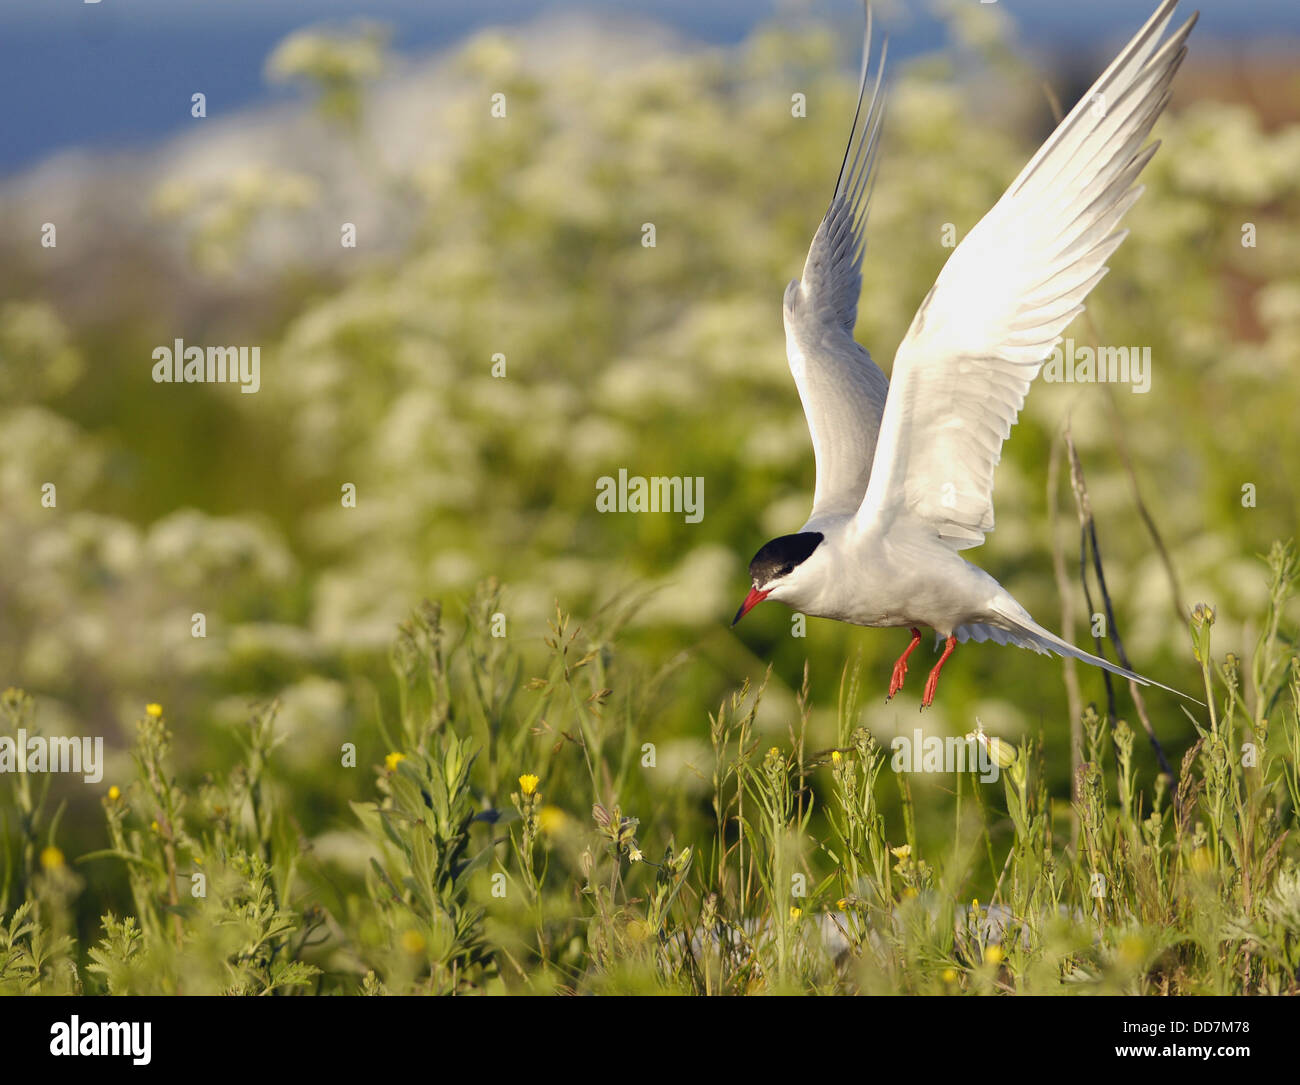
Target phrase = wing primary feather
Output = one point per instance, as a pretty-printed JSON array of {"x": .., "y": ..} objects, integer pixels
[
  {"x": 872, "y": 137},
  {"x": 1138, "y": 55},
  {"x": 868, "y": 139},
  {"x": 857, "y": 112}
]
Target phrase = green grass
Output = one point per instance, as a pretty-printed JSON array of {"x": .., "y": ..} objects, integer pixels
[
  {"x": 331, "y": 864},
  {"x": 515, "y": 840}
]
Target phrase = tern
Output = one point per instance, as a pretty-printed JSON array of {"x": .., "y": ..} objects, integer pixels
[{"x": 905, "y": 466}]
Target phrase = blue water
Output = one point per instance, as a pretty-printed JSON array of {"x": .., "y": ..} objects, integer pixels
[{"x": 120, "y": 73}]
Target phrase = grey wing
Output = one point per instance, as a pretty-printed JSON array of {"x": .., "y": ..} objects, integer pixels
[{"x": 842, "y": 390}]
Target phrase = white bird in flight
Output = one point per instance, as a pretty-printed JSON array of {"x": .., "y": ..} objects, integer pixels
[{"x": 905, "y": 469}]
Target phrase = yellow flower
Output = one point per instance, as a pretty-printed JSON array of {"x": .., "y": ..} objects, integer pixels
[
  {"x": 413, "y": 942},
  {"x": 901, "y": 852},
  {"x": 153, "y": 825},
  {"x": 551, "y": 820},
  {"x": 993, "y": 954},
  {"x": 842, "y": 903},
  {"x": 950, "y": 975},
  {"x": 114, "y": 793},
  {"x": 634, "y": 854},
  {"x": 836, "y": 757},
  {"x": 1132, "y": 950},
  {"x": 975, "y": 905},
  {"x": 528, "y": 783},
  {"x": 51, "y": 858},
  {"x": 155, "y": 710},
  {"x": 795, "y": 913},
  {"x": 392, "y": 760},
  {"x": 909, "y": 893}
]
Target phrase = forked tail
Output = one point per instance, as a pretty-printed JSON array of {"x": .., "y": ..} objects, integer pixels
[{"x": 1024, "y": 632}]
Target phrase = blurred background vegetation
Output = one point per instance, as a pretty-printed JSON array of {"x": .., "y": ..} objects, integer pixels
[{"x": 479, "y": 237}]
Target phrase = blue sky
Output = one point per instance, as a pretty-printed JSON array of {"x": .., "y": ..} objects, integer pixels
[{"x": 120, "y": 73}]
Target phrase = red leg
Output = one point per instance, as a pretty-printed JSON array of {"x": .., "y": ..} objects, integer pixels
[
  {"x": 932, "y": 683},
  {"x": 900, "y": 668}
]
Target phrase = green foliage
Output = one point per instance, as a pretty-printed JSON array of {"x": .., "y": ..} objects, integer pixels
[
  {"x": 541, "y": 802},
  {"x": 208, "y": 886},
  {"x": 806, "y": 887},
  {"x": 420, "y": 913}
]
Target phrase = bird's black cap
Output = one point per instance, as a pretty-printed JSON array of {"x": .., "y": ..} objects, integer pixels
[{"x": 781, "y": 555}]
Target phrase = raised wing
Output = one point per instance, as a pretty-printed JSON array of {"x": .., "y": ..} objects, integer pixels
[
  {"x": 1006, "y": 293},
  {"x": 843, "y": 391}
]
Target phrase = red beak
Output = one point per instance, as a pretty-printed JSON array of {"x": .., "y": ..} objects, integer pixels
[{"x": 751, "y": 601}]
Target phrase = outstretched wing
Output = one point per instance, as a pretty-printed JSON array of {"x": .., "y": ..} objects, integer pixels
[
  {"x": 1006, "y": 293},
  {"x": 843, "y": 391}
]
